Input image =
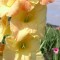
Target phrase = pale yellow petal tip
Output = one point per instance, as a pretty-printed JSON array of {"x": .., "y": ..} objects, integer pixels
[
  {"x": 10, "y": 42},
  {"x": 10, "y": 3},
  {"x": 2, "y": 30},
  {"x": 39, "y": 55},
  {"x": 3, "y": 10},
  {"x": 34, "y": 1},
  {"x": 22, "y": 33}
]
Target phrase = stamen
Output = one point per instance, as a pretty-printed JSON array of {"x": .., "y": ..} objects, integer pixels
[
  {"x": 23, "y": 46},
  {"x": 26, "y": 19}
]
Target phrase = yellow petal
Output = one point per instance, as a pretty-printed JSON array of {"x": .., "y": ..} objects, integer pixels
[
  {"x": 34, "y": 1},
  {"x": 4, "y": 27},
  {"x": 26, "y": 5},
  {"x": 11, "y": 43},
  {"x": 1, "y": 33},
  {"x": 15, "y": 29},
  {"x": 2, "y": 2},
  {"x": 3, "y": 10},
  {"x": 17, "y": 5},
  {"x": 10, "y": 2},
  {"x": 14, "y": 8},
  {"x": 24, "y": 32}
]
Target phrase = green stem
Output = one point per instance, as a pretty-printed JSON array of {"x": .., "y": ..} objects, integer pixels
[{"x": 55, "y": 57}]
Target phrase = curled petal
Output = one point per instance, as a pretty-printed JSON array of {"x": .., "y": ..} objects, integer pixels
[
  {"x": 34, "y": 1},
  {"x": 23, "y": 33},
  {"x": 17, "y": 5}
]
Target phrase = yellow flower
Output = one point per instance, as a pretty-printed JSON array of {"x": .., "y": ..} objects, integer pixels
[
  {"x": 25, "y": 44},
  {"x": 23, "y": 41},
  {"x": 30, "y": 27},
  {"x": 34, "y": 19}
]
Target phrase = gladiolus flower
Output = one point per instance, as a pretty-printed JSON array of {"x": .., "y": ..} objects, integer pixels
[
  {"x": 31, "y": 28},
  {"x": 56, "y": 50},
  {"x": 58, "y": 28},
  {"x": 24, "y": 41}
]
